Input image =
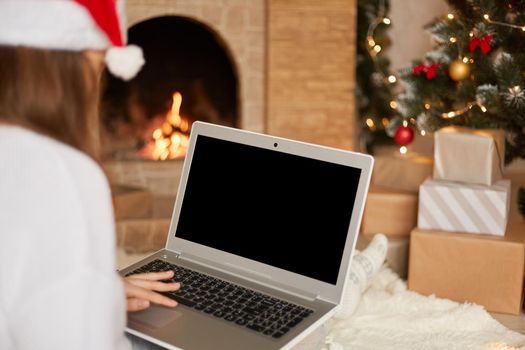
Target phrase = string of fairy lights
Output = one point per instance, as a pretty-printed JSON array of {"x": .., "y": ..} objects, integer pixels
[
  {"x": 374, "y": 49},
  {"x": 461, "y": 69}
]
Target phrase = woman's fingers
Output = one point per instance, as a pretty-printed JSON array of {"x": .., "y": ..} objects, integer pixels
[
  {"x": 136, "y": 292},
  {"x": 153, "y": 276},
  {"x": 141, "y": 290},
  {"x": 155, "y": 285},
  {"x": 135, "y": 304}
]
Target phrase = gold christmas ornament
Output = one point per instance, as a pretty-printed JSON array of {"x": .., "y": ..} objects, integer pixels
[{"x": 459, "y": 70}]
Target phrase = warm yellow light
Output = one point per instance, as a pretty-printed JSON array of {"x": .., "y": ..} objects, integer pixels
[
  {"x": 450, "y": 16},
  {"x": 403, "y": 150},
  {"x": 164, "y": 154},
  {"x": 465, "y": 59},
  {"x": 184, "y": 125},
  {"x": 169, "y": 140},
  {"x": 405, "y": 123},
  {"x": 451, "y": 114},
  {"x": 386, "y": 20},
  {"x": 177, "y": 101},
  {"x": 453, "y": 40},
  {"x": 157, "y": 134},
  {"x": 162, "y": 144},
  {"x": 427, "y": 105},
  {"x": 423, "y": 132},
  {"x": 393, "y": 104},
  {"x": 471, "y": 34},
  {"x": 392, "y": 79},
  {"x": 377, "y": 48},
  {"x": 385, "y": 122},
  {"x": 167, "y": 129},
  {"x": 515, "y": 89},
  {"x": 371, "y": 41},
  {"x": 370, "y": 123},
  {"x": 175, "y": 143},
  {"x": 471, "y": 60},
  {"x": 483, "y": 109},
  {"x": 523, "y": 29},
  {"x": 486, "y": 16}
]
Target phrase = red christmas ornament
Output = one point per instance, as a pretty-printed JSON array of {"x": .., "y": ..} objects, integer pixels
[{"x": 404, "y": 136}]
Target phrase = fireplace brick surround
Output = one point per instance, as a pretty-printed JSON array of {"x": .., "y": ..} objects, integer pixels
[{"x": 295, "y": 61}]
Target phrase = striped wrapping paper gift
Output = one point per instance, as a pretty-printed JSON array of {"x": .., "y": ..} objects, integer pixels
[{"x": 457, "y": 207}]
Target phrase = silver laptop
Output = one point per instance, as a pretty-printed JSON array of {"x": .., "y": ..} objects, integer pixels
[{"x": 261, "y": 238}]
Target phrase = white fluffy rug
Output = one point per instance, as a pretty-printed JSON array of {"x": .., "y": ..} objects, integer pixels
[{"x": 391, "y": 317}]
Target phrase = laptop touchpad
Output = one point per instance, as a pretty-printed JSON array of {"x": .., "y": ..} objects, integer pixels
[{"x": 154, "y": 317}]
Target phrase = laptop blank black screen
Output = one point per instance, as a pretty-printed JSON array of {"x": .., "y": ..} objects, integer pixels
[{"x": 283, "y": 210}]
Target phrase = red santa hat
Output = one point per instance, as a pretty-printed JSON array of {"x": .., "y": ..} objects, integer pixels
[{"x": 74, "y": 25}]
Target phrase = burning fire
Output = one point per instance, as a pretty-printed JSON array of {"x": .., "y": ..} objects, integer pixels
[{"x": 170, "y": 141}]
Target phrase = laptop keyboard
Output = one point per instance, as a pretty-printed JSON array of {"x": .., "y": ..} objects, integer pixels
[{"x": 241, "y": 306}]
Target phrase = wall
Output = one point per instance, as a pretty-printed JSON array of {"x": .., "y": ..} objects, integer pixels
[
  {"x": 409, "y": 40},
  {"x": 311, "y": 71}
]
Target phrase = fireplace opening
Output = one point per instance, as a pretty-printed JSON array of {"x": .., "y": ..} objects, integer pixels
[{"x": 189, "y": 75}]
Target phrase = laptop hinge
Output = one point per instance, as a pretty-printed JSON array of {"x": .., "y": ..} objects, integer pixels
[
  {"x": 258, "y": 278},
  {"x": 173, "y": 255}
]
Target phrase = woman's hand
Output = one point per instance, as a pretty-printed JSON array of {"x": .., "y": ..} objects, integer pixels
[{"x": 141, "y": 290}]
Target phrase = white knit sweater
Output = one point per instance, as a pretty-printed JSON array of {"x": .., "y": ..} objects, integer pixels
[{"x": 58, "y": 285}]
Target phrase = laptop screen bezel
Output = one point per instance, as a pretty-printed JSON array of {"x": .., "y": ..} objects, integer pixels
[{"x": 253, "y": 269}]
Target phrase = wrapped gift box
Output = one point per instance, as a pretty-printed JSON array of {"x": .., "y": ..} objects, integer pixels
[
  {"x": 485, "y": 270},
  {"x": 423, "y": 145},
  {"x": 131, "y": 202},
  {"x": 467, "y": 155},
  {"x": 451, "y": 206},
  {"x": 391, "y": 212},
  {"x": 401, "y": 172}
]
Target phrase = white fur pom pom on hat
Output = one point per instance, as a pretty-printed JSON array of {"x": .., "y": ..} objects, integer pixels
[
  {"x": 125, "y": 62},
  {"x": 73, "y": 25}
]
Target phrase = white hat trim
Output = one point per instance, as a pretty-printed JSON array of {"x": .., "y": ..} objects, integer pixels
[
  {"x": 64, "y": 25},
  {"x": 53, "y": 24}
]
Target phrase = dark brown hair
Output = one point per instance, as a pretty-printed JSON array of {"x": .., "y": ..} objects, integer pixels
[{"x": 51, "y": 92}]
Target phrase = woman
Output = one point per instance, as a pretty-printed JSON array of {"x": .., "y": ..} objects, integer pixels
[{"x": 58, "y": 285}]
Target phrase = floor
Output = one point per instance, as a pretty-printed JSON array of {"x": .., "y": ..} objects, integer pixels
[{"x": 516, "y": 323}]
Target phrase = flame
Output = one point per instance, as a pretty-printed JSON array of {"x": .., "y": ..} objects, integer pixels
[{"x": 170, "y": 140}]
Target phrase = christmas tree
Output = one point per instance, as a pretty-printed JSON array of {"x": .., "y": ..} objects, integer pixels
[
  {"x": 374, "y": 91},
  {"x": 474, "y": 76}
]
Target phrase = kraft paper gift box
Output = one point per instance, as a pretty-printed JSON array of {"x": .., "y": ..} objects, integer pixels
[
  {"x": 452, "y": 206},
  {"x": 485, "y": 270},
  {"x": 131, "y": 202},
  {"x": 401, "y": 171},
  {"x": 388, "y": 211},
  {"x": 468, "y": 155}
]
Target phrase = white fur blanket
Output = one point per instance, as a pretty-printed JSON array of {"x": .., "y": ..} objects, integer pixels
[{"x": 391, "y": 317}]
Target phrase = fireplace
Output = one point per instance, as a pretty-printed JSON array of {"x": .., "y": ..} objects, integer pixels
[
  {"x": 292, "y": 65},
  {"x": 189, "y": 75}
]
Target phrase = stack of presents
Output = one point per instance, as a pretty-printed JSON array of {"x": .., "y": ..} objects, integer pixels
[{"x": 453, "y": 227}]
